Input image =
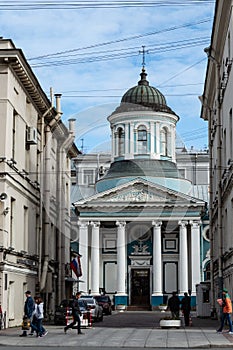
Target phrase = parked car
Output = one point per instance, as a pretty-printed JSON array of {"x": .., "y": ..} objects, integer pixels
[
  {"x": 95, "y": 309},
  {"x": 105, "y": 302},
  {"x": 63, "y": 313}
]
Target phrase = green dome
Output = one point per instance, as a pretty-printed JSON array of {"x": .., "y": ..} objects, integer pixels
[{"x": 143, "y": 96}]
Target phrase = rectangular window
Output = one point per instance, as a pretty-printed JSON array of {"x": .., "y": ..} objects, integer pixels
[
  {"x": 12, "y": 223},
  {"x": 5, "y": 281},
  {"x": 11, "y": 295},
  {"x": 13, "y": 135},
  {"x": 142, "y": 135},
  {"x": 182, "y": 172},
  {"x": 88, "y": 177},
  {"x": 25, "y": 223}
]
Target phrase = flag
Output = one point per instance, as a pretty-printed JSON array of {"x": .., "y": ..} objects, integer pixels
[{"x": 76, "y": 266}]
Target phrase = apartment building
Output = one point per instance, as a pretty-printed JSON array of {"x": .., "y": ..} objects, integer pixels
[
  {"x": 35, "y": 152},
  {"x": 217, "y": 107}
]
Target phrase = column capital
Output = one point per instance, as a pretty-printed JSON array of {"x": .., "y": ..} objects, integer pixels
[
  {"x": 95, "y": 223},
  {"x": 82, "y": 224},
  {"x": 120, "y": 223},
  {"x": 156, "y": 223},
  {"x": 182, "y": 223},
  {"x": 195, "y": 223}
]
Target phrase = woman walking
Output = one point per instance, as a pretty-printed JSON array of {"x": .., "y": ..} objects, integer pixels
[{"x": 38, "y": 318}]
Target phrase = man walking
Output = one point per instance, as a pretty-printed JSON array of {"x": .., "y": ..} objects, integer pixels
[
  {"x": 186, "y": 308},
  {"x": 174, "y": 305},
  {"x": 226, "y": 311},
  {"x": 76, "y": 313},
  {"x": 28, "y": 309}
]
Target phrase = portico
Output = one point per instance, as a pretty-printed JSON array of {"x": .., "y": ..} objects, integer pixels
[{"x": 132, "y": 251}]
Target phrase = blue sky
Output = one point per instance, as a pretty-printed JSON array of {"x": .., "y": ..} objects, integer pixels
[{"x": 92, "y": 57}]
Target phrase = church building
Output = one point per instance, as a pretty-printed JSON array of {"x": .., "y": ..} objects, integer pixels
[{"x": 140, "y": 233}]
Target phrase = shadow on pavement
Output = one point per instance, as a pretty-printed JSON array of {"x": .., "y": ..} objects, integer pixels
[{"x": 148, "y": 320}]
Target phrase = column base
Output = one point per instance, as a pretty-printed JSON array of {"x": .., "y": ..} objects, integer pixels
[
  {"x": 156, "y": 300},
  {"x": 121, "y": 301}
]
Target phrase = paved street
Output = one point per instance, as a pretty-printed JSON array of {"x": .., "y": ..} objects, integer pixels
[{"x": 127, "y": 330}]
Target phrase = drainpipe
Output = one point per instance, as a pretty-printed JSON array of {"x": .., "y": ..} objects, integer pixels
[
  {"x": 61, "y": 202},
  {"x": 217, "y": 66},
  {"x": 219, "y": 174},
  {"x": 213, "y": 296},
  {"x": 47, "y": 190},
  {"x": 219, "y": 179}
]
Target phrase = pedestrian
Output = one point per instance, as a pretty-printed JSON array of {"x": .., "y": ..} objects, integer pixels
[
  {"x": 28, "y": 310},
  {"x": 226, "y": 311},
  {"x": 174, "y": 305},
  {"x": 186, "y": 308},
  {"x": 76, "y": 313},
  {"x": 38, "y": 317}
]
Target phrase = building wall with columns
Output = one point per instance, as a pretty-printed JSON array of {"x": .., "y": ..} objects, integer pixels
[{"x": 162, "y": 247}]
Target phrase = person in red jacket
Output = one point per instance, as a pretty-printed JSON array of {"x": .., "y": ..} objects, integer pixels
[{"x": 226, "y": 311}]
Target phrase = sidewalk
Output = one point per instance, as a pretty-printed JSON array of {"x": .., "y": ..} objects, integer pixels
[{"x": 201, "y": 334}]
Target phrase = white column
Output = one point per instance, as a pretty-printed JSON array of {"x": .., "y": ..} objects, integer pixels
[
  {"x": 152, "y": 140},
  {"x": 183, "y": 259},
  {"x": 131, "y": 144},
  {"x": 158, "y": 138},
  {"x": 157, "y": 258},
  {"x": 173, "y": 142},
  {"x": 121, "y": 256},
  {"x": 83, "y": 250},
  {"x": 195, "y": 251},
  {"x": 126, "y": 141},
  {"x": 113, "y": 141},
  {"x": 116, "y": 144},
  {"x": 95, "y": 257}
]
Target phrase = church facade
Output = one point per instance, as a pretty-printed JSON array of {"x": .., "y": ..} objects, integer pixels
[{"x": 141, "y": 233}]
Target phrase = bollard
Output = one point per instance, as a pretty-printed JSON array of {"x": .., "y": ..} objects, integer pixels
[
  {"x": 89, "y": 318},
  {"x": 67, "y": 315}
]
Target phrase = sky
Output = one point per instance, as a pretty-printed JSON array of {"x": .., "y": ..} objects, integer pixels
[{"x": 90, "y": 52}]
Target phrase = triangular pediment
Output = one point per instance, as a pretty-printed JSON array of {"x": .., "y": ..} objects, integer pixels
[{"x": 138, "y": 191}]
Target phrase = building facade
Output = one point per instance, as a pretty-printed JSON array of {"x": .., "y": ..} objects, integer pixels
[
  {"x": 35, "y": 152},
  {"x": 140, "y": 232},
  {"x": 217, "y": 110}
]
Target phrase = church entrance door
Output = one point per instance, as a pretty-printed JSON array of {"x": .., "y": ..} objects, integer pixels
[{"x": 140, "y": 287}]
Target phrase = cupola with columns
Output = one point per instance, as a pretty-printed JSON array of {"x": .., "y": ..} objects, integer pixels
[
  {"x": 143, "y": 131},
  {"x": 143, "y": 126}
]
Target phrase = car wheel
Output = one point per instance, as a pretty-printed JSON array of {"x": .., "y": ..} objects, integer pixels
[{"x": 102, "y": 317}]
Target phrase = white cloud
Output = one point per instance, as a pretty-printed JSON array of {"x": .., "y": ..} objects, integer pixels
[{"x": 44, "y": 32}]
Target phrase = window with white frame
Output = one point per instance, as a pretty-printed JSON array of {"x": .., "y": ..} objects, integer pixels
[
  {"x": 88, "y": 176},
  {"x": 164, "y": 141},
  {"x": 121, "y": 141},
  {"x": 142, "y": 139}
]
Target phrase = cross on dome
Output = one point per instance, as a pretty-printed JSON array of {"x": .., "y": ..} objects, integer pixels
[{"x": 143, "y": 52}]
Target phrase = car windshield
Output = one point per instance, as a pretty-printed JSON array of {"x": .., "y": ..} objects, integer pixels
[
  {"x": 102, "y": 299},
  {"x": 89, "y": 301},
  {"x": 82, "y": 303}
]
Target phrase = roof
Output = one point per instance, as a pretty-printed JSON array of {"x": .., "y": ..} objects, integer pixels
[
  {"x": 143, "y": 167},
  {"x": 143, "y": 96}
]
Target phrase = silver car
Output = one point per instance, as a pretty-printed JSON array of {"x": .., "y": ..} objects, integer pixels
[{"x": 95, "y": 309}]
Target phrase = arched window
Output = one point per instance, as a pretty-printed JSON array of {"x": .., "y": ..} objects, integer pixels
[
  {"x": 163, "y": 141},
  {"x": 121, "y": 142},
  {"x": 142, "y": 139}
]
